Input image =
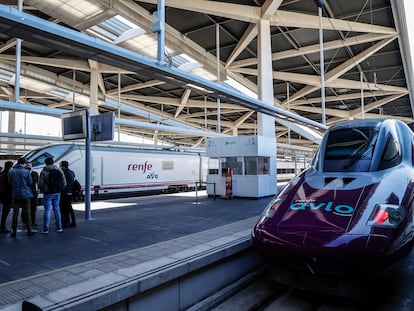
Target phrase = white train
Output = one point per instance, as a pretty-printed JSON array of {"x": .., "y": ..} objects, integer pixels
[
  {"x": 118, "y": 169},
  {"x": 122, "y": 169},
  {"x": 287, "y": 169}
]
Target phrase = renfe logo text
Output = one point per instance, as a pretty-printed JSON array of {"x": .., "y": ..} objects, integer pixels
[{"x": 140, "y": 167}]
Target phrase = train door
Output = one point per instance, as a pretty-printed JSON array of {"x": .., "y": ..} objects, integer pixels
[{"x": 96, "y": 171}]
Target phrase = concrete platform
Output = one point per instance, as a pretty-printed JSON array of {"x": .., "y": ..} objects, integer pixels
[{"x": 123, "y": 233}]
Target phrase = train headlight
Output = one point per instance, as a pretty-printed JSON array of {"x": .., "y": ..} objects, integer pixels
[
  {"x": 386, "y": 215},
  {"x": 272, "y": 207}
]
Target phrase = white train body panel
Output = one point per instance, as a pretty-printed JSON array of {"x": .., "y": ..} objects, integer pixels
[{"x": 121, "y": 169}]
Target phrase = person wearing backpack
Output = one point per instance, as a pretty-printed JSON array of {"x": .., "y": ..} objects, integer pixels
[
  {"x": 51, "y": 183},
  {"x": 33, "y": 200},
  {"x": 66, "y": 209}
]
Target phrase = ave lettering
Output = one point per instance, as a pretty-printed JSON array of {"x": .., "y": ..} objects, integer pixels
[{"x": 152, "y": 175}]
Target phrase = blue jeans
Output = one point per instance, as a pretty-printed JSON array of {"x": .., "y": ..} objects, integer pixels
[{"x": 49, "y": 201}]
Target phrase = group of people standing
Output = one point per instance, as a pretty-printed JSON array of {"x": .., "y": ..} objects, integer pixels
[{"x": 19, "y": 187}]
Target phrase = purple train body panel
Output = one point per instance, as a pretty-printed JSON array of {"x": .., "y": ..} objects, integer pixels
[{"x": 351, "y": 211}]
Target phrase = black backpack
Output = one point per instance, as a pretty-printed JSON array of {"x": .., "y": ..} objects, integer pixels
[
  {"x": 54, "y": 181},
  {"x": 76, "y": 186}
]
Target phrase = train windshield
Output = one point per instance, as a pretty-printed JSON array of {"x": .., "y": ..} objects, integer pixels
[
  {"x": 350, "y": 149},
  {"x": 38, "y": 156}
]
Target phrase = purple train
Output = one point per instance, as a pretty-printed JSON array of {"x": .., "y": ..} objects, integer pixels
[{"x": 351, "y": 211}]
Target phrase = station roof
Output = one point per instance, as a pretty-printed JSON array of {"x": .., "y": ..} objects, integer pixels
[{"x": 366, "y": 60}]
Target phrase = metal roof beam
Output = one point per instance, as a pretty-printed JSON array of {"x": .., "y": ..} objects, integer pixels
[
  {"x": 332, "y": 76},
  {"x": 183, "y": 102},
  {"x": 68, "y": 63},
  {"x": 239, "y": 122},
  {"x": 246, "y": 13},
  {"x": 251, "y": 14},
  {"x": 270, "y": 7},
  {"x": 248, "y": 36},
  {"x": 314, "y": 48},
  {"x": 136, "y": 86},
  {"x": 313, "y": 82},
  {"x": 342, "y": 97},
  {"x": 300, "y": 20},
  {"x": 358, "y": 112}
]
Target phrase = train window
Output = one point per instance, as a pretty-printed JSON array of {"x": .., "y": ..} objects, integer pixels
[
  {"x": 350, "y": 149},
  {"x": 167, "y": 165},
  {"x": 285, "y": 171},
  {"x": 391, "y": 156},
  {"x": 56, "y": 152}
]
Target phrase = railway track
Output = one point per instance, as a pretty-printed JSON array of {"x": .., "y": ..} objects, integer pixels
[
  {"x": 392, "y": 293},
  {"x": 267, "y": 295}
]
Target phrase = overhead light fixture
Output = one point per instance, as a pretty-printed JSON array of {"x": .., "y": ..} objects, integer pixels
[{"x": 198, "y": 88}]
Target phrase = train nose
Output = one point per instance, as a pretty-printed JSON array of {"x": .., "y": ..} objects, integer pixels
[{"x": 320, "y": 251}]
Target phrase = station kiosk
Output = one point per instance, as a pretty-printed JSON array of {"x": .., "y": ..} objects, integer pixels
[{"x": 246, "y": 165}]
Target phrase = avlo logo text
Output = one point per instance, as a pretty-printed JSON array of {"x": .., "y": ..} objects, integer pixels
[{"x": 341, "y": 209}]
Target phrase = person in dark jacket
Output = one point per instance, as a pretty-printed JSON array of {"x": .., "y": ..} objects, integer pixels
[
  {"x": 65, "y": 204},
  {"x": 33, "y": 200},
  {"x": 21, "y": 182},
  {"x": 5, "y": 195},
  {"x": 51, "y": 197}
]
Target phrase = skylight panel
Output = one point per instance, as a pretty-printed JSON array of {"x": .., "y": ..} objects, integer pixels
[
  {"x": 32, "y": 84},
  {"x": 117, "y": 27},
  {"x": 239, "y": 87},
  {"x": 185, "y": 62},
  {"x": 61, "y": 93},
  {"x": 6, "y": 76}
]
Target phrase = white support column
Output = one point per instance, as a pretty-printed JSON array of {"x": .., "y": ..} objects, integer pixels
[
  {"x": 265, "y": 124},
  {"x": 11, "y": 129},
  {"x": 218, "y": 76},
  {"x": 18, "y": 61},
  {"x": 322, "y": 64}
]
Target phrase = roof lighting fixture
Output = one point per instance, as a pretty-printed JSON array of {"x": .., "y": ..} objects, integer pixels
[{"x": 198, "y": 88}]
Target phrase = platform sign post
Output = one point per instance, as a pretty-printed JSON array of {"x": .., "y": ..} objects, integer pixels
[
  {"x": 76, "y": 125},
  {"x": 88, "y": 214},
  {"x": 99, "y": 127},
  {"x": 319, "y": 3}
]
